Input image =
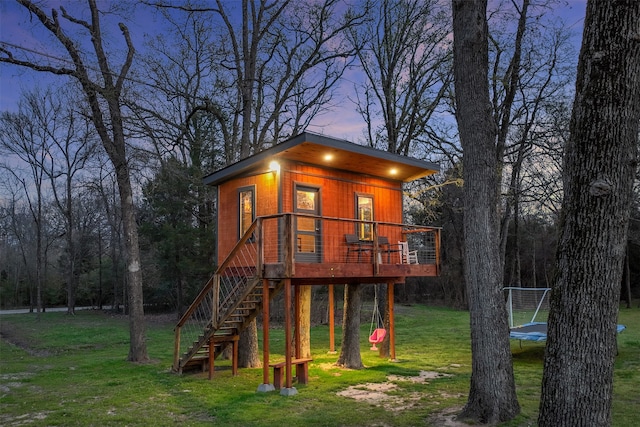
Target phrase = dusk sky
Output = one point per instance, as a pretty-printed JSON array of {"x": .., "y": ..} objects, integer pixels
[{"x": 17, "y": 29}]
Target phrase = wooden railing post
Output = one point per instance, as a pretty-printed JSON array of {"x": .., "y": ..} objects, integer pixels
[
  {"x": 215, "y": 301},
  {"x": 289, "y": 267},
  {"x": 260, "y": 248},
  {"x": 376, "y": 250}
]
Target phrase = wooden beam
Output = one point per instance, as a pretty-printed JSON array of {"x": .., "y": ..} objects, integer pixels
[
  {"x": 287, "y": 333},
  {"x": 265, "y": 331},
  {"x": 332, "y": 345},
  {"x": 392, "y": 331},
  {"x": 212, "y": 356}
]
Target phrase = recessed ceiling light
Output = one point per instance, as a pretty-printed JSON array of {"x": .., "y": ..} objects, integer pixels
[
  {"x": 393, "y": 171},
  {"x": 328, "y": 157}
]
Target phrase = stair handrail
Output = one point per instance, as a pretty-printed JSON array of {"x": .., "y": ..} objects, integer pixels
[
  {"x": 213, "y": 281},
  {"x": 220, "y": 269}
]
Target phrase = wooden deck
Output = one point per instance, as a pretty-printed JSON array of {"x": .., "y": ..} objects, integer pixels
[{"x": 339, "y": 273}]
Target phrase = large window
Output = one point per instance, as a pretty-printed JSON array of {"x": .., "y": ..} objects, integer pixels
[
  {"x": 246, "y": 207},
  {"x": 364, "y": 206}
]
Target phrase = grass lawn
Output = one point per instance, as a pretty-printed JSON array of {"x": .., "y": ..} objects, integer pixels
[{"x": 71, "y": 371}]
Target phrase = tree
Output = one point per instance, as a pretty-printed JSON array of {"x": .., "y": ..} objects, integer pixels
[
  {"x": 70, "y": 145},
  {"x": 24, "y": 141},
  {"x": 170, "y": 222},
  {"x": 406, "y": 59},
  {"x": 600, "y": 163},
  {"x": 492, "y": 396},
  {"x": 102, "y": 88},
  {"x": 350, "y": 346},
  {"x": 188, "y": 144}
]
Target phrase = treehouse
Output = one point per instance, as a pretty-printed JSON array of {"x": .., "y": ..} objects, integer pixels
[{"x": 313, "y": 210}]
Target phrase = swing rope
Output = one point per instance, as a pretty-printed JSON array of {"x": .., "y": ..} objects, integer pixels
[
  {"x": 376, "y": 316},
  {"x": 377, "y": 336}
]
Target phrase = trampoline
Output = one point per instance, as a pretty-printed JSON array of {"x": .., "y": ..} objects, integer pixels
[
  {"x": 528, "y": 310},
  {"x": 537, "y": 331}
]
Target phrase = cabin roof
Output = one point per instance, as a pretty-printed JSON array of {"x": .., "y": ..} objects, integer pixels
[{"x": 330, "y": 152}]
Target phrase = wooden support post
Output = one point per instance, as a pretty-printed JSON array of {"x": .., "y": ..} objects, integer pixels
[
  {"x": 212, "y": 356},
  {"x": 392, "y": 332},
  {"x": 287, "y": 333},
  {"x": 265, "y": 331},
  {"x": 234, "y": 362},
  {"x": 332, "y": 341}
]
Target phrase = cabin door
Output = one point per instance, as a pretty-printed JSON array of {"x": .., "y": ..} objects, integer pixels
[{"x": 307, "y": 229}]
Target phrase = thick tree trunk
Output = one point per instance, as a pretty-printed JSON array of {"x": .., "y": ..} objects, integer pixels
[
  {"x": 350, "y": 348},
  {"x": 492, "y": 396},
  {"x": 599, "y": 168},
  {"x": 137, "y": 345},
  {"x": 248, "y": 356}
]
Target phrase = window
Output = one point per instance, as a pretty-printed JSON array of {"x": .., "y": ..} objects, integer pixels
[
  {"x": 364, "y": 206},
  {"x": 246, "y": 207}
]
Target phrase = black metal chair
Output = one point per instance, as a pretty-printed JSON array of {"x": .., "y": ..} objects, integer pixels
[
  {"x": 356, "y": 245},
  {"x": 388, "y": 248}
]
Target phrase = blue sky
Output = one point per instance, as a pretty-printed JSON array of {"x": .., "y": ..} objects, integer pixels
[{"x": 16, "y": 28}]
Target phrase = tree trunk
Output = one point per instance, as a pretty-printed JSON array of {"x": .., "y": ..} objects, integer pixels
[
  {"x": 304, "y": 318},
  {"x": 492, "y": 396},
  {"x": 248, "y": 356},
  {"x": 350, "y": 347},
  {"x": 599, "y": 168},
  {"x": 137, "y": 344}
]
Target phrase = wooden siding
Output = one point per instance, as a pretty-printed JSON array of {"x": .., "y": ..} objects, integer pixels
[
  {"x": 338, "y": 191},
  {"x": 266, "y": 198}
]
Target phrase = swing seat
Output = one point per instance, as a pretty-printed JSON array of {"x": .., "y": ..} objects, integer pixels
[{"x": 377, "y": 337}]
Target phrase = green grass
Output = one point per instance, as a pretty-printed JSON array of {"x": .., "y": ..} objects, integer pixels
[{"x": 75, "y": 373}]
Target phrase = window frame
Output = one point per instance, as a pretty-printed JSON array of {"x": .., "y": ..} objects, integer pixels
[
  {"x": 364, "y": 231},
  {"x": 242, "y": 227}
]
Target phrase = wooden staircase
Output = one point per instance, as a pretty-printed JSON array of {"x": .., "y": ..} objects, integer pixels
[{"x": 226, "y": 305}]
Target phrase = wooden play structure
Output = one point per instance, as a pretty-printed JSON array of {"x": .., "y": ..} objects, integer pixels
[{"x": 312, "y": 210}]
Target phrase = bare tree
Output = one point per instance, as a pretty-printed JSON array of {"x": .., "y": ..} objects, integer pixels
[
  {"x": 492, "y": 396},
  {"x": 406, "y": 57},
  {"x": 102, "y": 88},
  {"x": 599, "y": 168},
  {"x": 24, "y": 143},
  {"x": 69, "y": 145}
]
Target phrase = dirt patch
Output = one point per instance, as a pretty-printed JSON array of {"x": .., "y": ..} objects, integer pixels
[
  {"x": 422, "y": 377},
  {"x": 22, "y": 420},
  {"x": 447, "y": 418},
  {"x": 377, "y": 394},
  {"x": 16, "y": 339},
  {"x": 385, "y": 395}
]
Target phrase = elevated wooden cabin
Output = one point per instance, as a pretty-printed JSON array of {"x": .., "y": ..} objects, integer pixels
[{"x": 313, "y": 210}]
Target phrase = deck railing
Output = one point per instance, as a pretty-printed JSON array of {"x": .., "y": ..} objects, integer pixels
[{"x": 309, "y": 238}]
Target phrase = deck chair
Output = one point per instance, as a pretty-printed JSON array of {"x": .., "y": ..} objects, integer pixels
[
  {"x": 355, "y": 245},
  {"x": 408, "y": 257},
  {"x": 388, "y": 248}
]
